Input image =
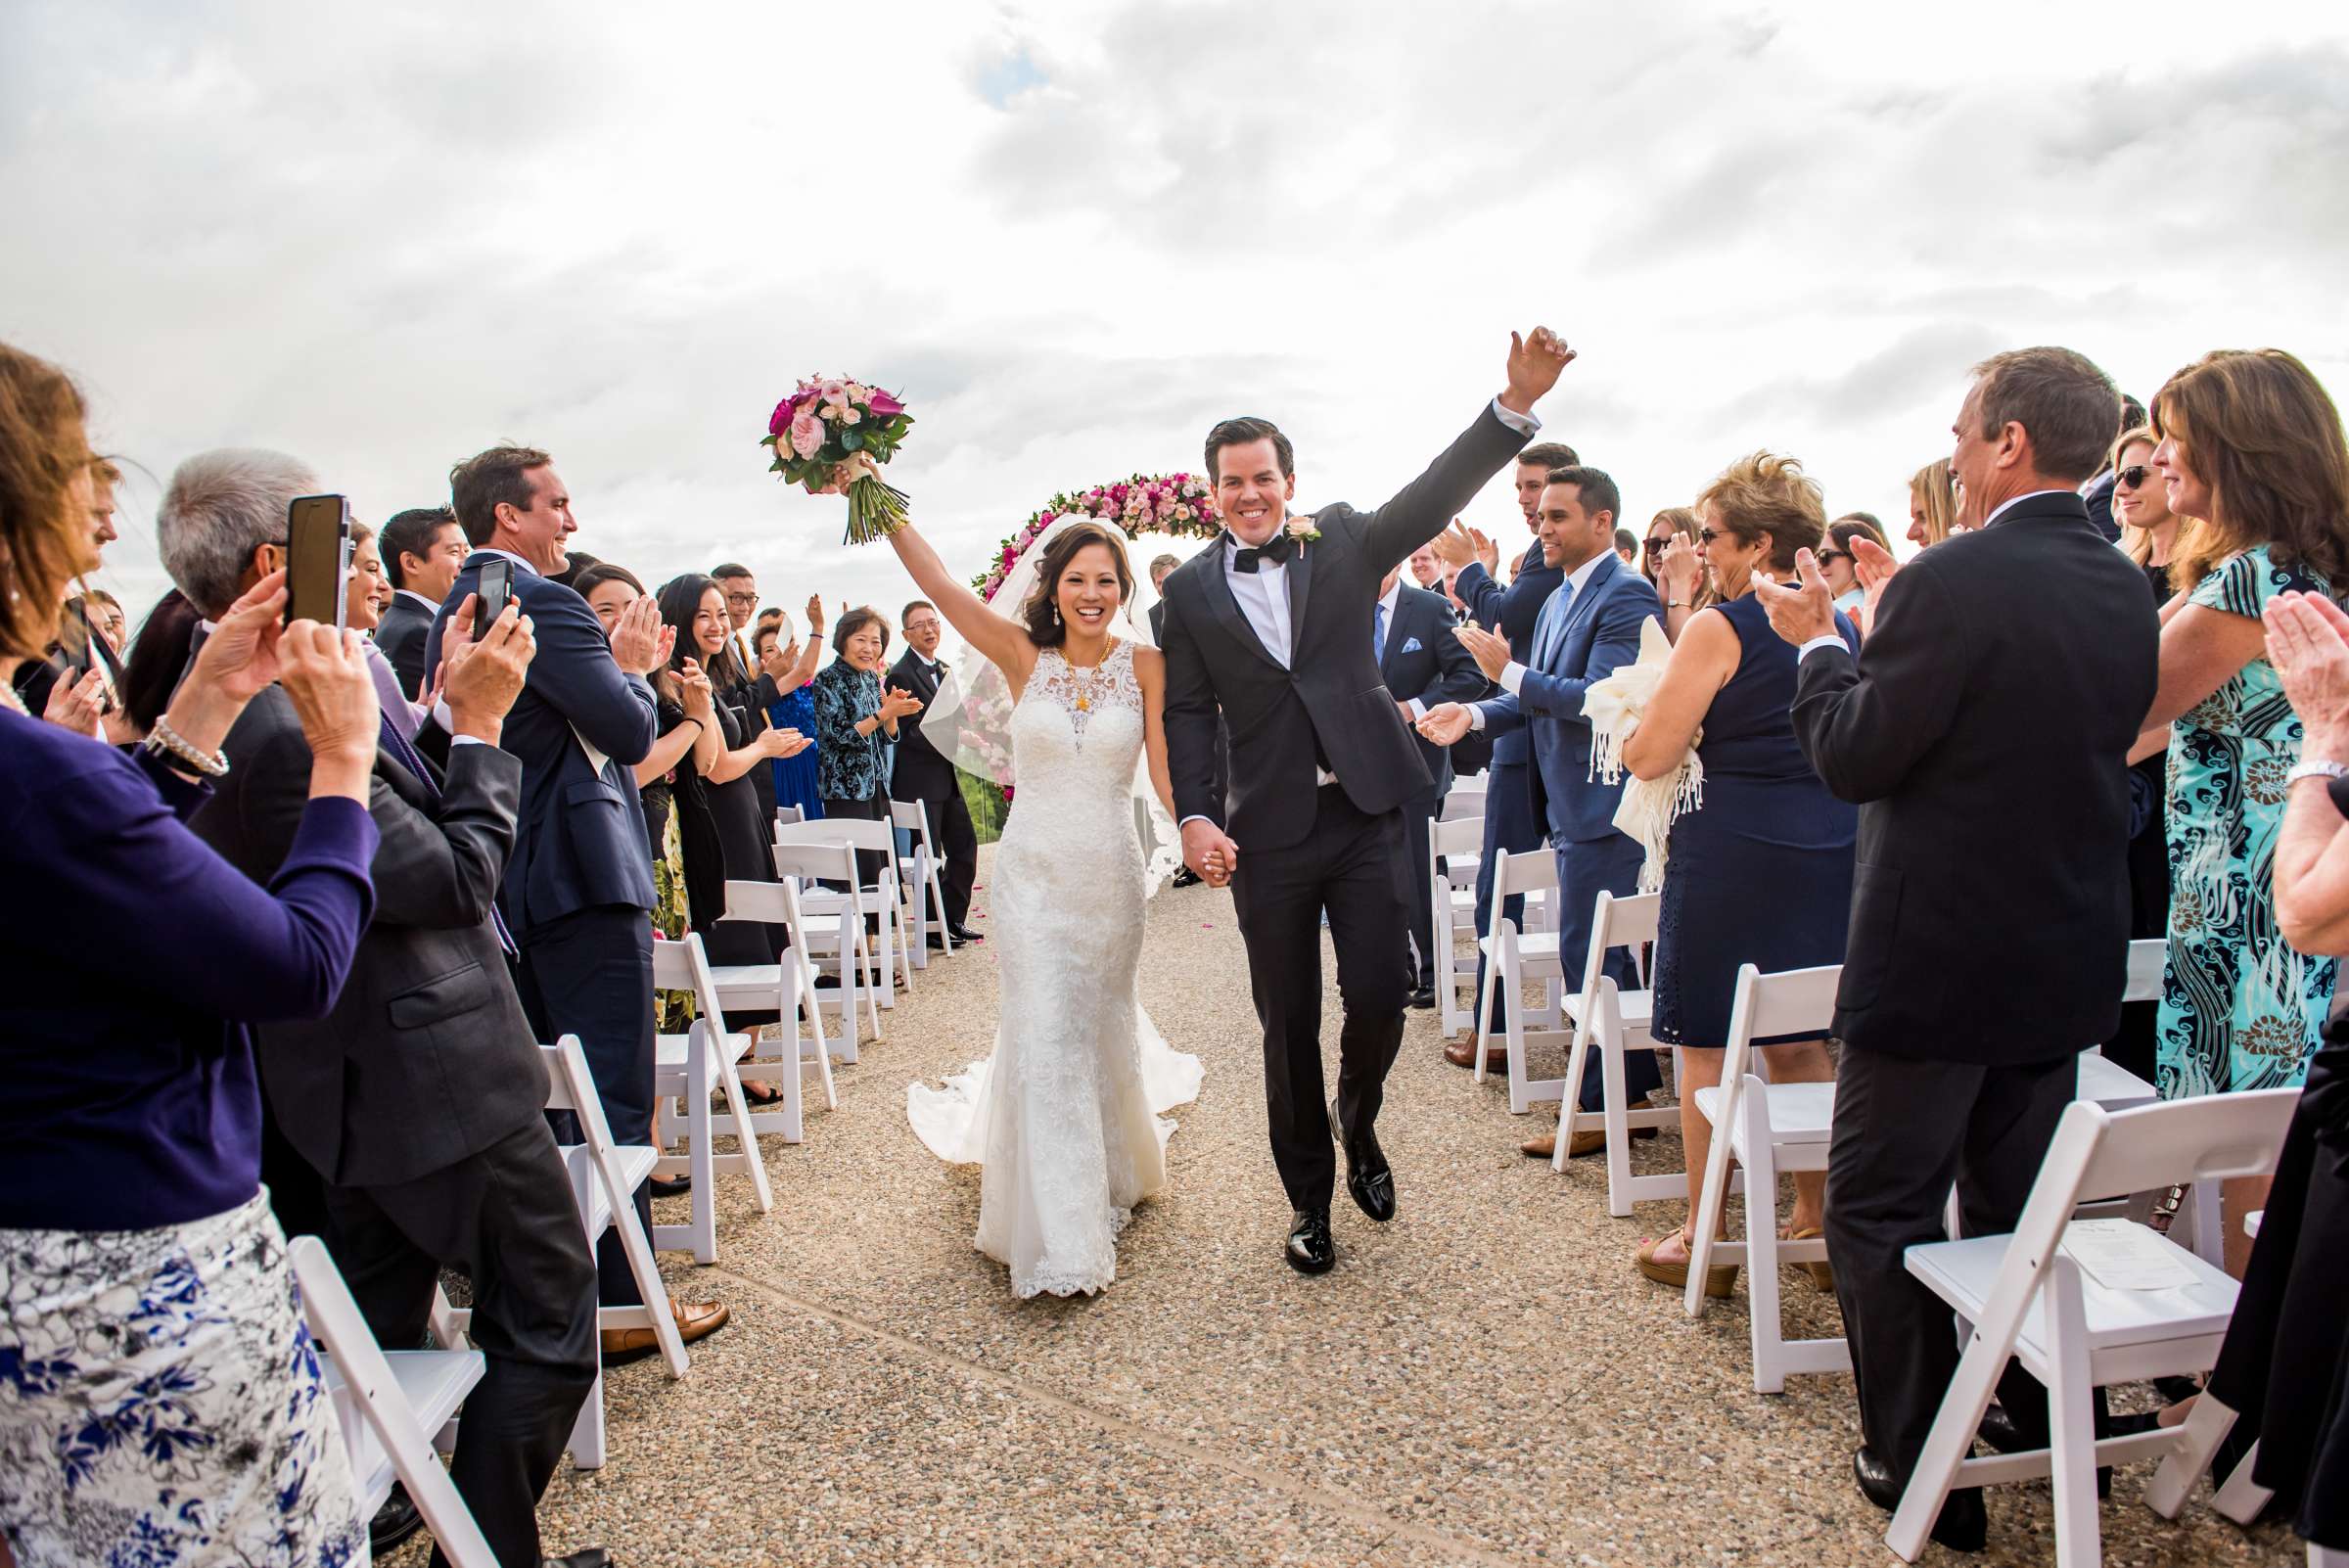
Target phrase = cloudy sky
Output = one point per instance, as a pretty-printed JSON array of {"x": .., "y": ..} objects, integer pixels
[{"x": 1074, "y": 235}]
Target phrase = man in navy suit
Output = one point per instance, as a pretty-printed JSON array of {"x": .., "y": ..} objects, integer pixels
[
  {"x": 1588, "y": 628},
  {"x": 578, "y": 894},
  {"x": 1421, "y": 663},
  {"x": 1510, "y": 821}
]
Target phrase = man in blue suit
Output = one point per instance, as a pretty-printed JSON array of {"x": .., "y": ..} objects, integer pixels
[
  {"x": 1421, "y": 663},
  {"x": 1511, "y": 821},
  {"x": 1586, "y": 630},
  {"x": 578, "y": 894}
]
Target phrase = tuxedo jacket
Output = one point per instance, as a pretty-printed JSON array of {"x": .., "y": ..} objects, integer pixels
[
  {"x": 1328, "y": 700},
  {"x": 1578, "y": 639},
  {"x": 401, "y": 634},
  {"x": 920, "y": 772},
  {"x": 1510, "y": 613},
  {"x": 1984, "y": 732},
  {"x": 1423, "y": 660},
  {"x": 580, "y": 840},
  {"x": 426, "y": 1057}
]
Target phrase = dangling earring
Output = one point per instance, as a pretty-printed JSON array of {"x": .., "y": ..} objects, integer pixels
[{"x": 1056, "y": 615}]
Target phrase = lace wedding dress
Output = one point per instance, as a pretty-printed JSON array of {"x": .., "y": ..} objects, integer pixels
[{"x": 1064, "y": 1115}]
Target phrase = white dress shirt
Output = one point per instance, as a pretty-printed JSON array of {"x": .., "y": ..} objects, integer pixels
[
  {"x": 431, "y": 605},
  {"x": 1512, "y": 674}
]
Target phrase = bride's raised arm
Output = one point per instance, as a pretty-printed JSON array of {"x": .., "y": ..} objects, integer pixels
[
  {"x": 997, "y": 638},
  {"x": 1150, "y": 672}
]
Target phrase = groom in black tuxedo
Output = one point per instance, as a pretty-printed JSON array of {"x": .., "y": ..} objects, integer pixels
[{"x": 1267, "y": 625}]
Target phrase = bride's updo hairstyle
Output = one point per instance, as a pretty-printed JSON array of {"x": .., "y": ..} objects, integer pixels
[{"x": 1042, "y": 612}]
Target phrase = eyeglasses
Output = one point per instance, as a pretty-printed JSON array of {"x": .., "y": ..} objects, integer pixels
[
  {"x": 1824, "y": 556},
  {"x": 1707, "y": 535},
  {"x": 2134, "y": 475},
  {"x": 742, "y": 598},
  {"x": 912, "y": 626},
  {"x": 1657, "y": 546}
]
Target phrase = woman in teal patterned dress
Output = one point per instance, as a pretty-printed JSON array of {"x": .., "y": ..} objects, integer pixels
[{"x": 2252, "y": 448}]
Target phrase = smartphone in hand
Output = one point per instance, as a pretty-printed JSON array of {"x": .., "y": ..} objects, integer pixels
[
  {"x": 317, "y": 559},
  {"x": 496, "y": 592}
]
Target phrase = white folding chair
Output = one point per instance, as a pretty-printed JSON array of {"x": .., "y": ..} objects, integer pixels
[
  {"x": 917, "y": 876},
  {"x": 692, "y": 1067},
  {"x": 830, "y": 939},
  {"x": 788, "y": 815},
  {"x": 604, "y": 1177},
  {"x": 884, "y": 954},
  {"x": 387, "y": 1405},
  {"x": 1452, "y": 847},
  {"x": 1768, "y": 1127},
  {"x": 787, "y": 989},
  {"x": 2031, "y": 1300},
  {"x": 1614, "y": 1022},
  {"x": 1514, "y": 958}
]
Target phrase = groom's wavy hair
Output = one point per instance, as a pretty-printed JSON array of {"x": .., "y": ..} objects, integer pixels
[
  {"x": 1045, "y": 628},
  {"x": 1241, "y": 433}
]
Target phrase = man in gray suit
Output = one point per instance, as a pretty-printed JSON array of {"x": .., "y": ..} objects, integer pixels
[{"x": 421, "y": 1098}]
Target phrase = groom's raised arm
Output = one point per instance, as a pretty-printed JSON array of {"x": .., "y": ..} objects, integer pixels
[
  {"x": 1190, "y": 720},
  {"x": 1421, "y": 509}
]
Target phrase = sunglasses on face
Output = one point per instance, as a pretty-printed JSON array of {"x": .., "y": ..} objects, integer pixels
[
  {"x": 1657, "y": 546},
  {"x": 1707, "y": 535},
  {"x": 1824, "y": 556},
  {"x": 2134, "y": 475}
]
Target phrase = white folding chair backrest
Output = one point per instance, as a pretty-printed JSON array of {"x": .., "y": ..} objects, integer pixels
[
  {"x": 2146, "y": 956},
  {"x": 787, "y": 814},
  {"x": 1458, "y": 835},
  {"x": 909, "y": 815},
  {"x": 685, "y": 965},
  {"x": 1525, "y": 871},
  {"x": 857, "y": 832},
  {"x": 1793, "y": 1001},
  {"x": 1628, "y": 920},
  {"x": 1466, "y": 804},
  {"x": 334, "y": 1321}
]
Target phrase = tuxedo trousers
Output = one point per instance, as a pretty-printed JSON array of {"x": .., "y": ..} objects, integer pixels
[
  {"x": 1904, "y": 1130},
  {"x": 1509, "y": 824},
  {"x": 505, "y": 1219},
  {"x": 1345, "y": 866},
  {"x": 956, "y": 841},
  {"x": 589, "y": 973},
  {"x": 1587, "y": 867}
]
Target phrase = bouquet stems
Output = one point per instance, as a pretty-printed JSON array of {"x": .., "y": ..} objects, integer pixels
[{"x": 876, "y": 510}]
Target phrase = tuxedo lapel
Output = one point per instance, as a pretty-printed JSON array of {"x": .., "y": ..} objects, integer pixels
[
  {"x": 1300, "y": 577},
  {"x": 1227, "y": 608}
]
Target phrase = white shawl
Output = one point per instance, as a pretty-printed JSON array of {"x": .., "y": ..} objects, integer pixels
[{"x": 1614, "y": 706}]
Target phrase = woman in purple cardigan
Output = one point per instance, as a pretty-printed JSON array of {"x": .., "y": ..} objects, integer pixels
[{"x": 159, "y": 1396}]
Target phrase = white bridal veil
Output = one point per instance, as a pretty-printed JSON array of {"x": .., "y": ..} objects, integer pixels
[{"x": 970, "y": 721}]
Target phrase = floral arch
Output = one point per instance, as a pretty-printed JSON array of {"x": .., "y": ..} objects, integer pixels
[{"x": 1178, "y": 505}]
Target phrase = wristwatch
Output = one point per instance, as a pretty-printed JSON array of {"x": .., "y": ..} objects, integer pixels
[{"x": 2316, "y": 767}]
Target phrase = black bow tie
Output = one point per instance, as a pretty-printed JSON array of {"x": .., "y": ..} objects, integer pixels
[{"x": 1279, "y": 548}]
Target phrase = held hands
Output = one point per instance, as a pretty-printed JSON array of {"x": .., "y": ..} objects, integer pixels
[
  {"x": 2308, "y": 643},
  {"x": 324, "y": 673},
  {"x": 1799, "y": 614},
  {"x": 1491, "y": 653},
  {"x": 780, "y": 743},
  {"x": 482, "y": 679},
  {"x": 640, "y": 643},
  {"x": 897, "y": 703},
  {"x": 1210, "y": 851},
  {"x": 1445, "y": 724},
  {"x": 1535, "y": 363}
]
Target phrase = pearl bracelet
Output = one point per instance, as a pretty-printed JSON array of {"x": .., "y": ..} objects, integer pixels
[{"x": 167, "y": 742}]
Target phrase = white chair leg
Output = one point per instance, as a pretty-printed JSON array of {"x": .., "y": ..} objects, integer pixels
[
  {"x": 2239, "y": 1498},
  {"x": 1766, "y": 1328},
  {"x": 2206, "y": 1426},
  {"x": 1503, "y": 970},
  {"x": 746, "y": 1132},
  {"x": 2071, "y": 1421},
  {"x": 1478, "y": 1030},
  {"x": 1712, "y": 1199},
  {"x": 1946, "y": 1445},
  {"x": 1615, "y": 1117},
  {"x": 587, "y": 1431}
]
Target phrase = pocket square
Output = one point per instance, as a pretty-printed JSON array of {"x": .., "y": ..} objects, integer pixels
[{"x": 1410, "y": 645}]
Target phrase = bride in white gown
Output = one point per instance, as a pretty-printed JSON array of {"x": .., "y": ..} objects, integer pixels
[{"x": 1064, "y": 1116}]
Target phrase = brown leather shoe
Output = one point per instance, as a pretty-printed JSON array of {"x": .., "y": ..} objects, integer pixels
[
  {"x": 1540, "y": 1148},
  {"x": 695, "y": 1319},
  {"x": 1462, "y": 1053},
  {"x": 1593, "y": 1140}
]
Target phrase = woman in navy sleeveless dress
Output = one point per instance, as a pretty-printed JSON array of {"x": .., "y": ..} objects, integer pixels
[{"x": 1761, "y": 872}]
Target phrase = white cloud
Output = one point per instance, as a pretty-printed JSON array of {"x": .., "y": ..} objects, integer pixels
[{"x": 1078, "y": 234}]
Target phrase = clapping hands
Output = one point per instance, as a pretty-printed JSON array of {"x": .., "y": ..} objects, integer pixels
[
  {"x": 2308, "y": 643},
  {"x": 640, "y": 642},
  {"x": 895, "y": 704},
  {"x": 1490, "y": 652},
  {"x": 1798, "y": 615},
  {"x": 779, "y": 743},
  {"x": 693, "y": 686},
  {"x": 1459, "y": 544},
  {"x": 1445, "y": 724}
]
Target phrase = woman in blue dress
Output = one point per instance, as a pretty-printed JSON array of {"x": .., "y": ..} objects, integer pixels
[
  {"x": 790, "y": 704},
  {"x": 1759, "y": 872}
]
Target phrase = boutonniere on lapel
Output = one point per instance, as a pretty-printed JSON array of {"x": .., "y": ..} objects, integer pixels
[{"x": 1301, "y": 530}]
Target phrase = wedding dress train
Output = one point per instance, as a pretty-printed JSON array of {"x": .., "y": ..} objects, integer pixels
[{"x": 1064, "y": 1115}]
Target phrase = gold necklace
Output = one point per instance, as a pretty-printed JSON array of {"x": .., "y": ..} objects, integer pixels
[{"x": 1092, "y": 677}]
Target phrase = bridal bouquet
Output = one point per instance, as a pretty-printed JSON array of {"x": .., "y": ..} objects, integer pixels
[
  {"x": 832, "y": 433},
  {"x": 1175, "y": 504},
  {"x": 1614, "y": 706}
]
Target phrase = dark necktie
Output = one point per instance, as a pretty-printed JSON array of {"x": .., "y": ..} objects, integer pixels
[
  {"x": 1278, "y": 548},
  {"x": 405, "y": 755}
]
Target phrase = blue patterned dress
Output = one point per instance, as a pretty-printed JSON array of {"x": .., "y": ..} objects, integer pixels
[{"x": 2240, "y": 1009}]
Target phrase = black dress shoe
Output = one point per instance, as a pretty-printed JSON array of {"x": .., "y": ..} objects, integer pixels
[
  {"x": 1999, "y": 1431},
  {"x": 394, "y": 1522},
  {"x": 936, "y": 941},
  {"x": 1370, "y": 1180},
  {"x": 669, "y": 1187},
  {"x": 1310, "y": 1250},
  {"x": 589, "y": 1558},
  {"x": 964, "y": 934},
  {"x": 1962, "y": 1525},
  {"x": 1424, "y": 998}
]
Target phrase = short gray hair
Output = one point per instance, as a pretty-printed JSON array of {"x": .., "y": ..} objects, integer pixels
[
  {"x": 220, "y": 507},
  {"x": 2065, "y": 404}
]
